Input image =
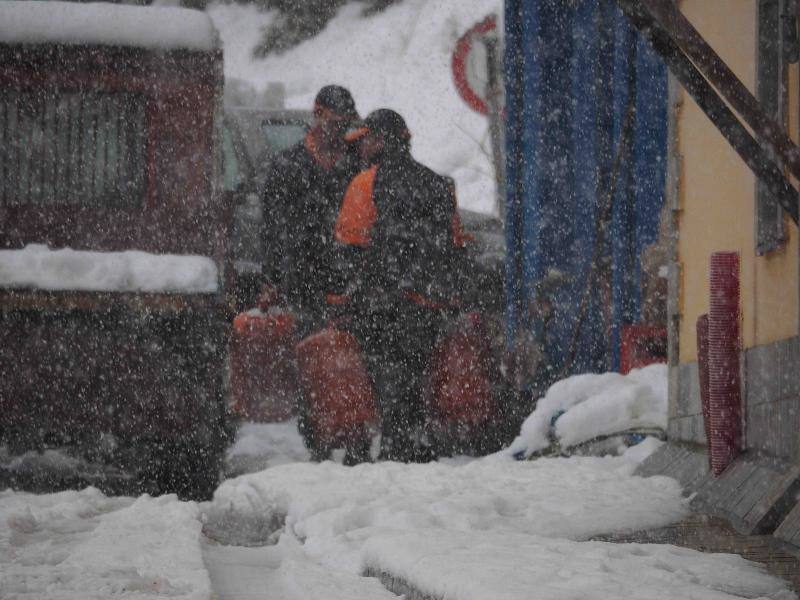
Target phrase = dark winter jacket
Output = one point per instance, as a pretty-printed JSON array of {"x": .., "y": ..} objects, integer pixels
[
  {"x": 398, "y": 221},
  {"x": 301, "y": 200}
]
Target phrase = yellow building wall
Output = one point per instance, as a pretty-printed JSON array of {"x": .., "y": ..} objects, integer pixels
[{"x": 717, "y": 197}]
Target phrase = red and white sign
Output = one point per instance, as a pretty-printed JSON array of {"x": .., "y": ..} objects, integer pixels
[{"x": 470, "y": 68}]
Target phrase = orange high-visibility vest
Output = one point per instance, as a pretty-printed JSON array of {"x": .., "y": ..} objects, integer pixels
[{"x": 358, "y": 213}]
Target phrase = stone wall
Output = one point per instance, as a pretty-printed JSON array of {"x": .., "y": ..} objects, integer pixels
[
  {"x": 685, "y": 411},
  {"x": 772, "y": 398},
  {"x": 771, "y": 389}
]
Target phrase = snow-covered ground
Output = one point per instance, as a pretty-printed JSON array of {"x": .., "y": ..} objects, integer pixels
[
  {"x": 461, "y": 528},
  {"x": 486, "y": 528},
  {"x": 82, "y": 545},
  {"x": 399, "y": 59},
  {"x": 259, "y": 446}
]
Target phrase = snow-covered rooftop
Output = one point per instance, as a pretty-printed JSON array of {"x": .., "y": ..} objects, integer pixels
[{"x": 164, "y": 28}]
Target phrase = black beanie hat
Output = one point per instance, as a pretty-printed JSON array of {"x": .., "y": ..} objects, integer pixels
[
  {"x": 338, "y": 100},
  {"x": 384, "y": 121}
]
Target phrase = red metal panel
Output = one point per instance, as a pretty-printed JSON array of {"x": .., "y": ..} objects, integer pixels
[
  {"x": 642, "y": 345},
  {"x": 143, "y": 367}
]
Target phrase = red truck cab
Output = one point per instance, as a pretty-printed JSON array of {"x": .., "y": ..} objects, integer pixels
[{"x": 113, "y": 234}]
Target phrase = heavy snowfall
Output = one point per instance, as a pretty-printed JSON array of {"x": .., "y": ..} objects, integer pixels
[{"x": 519, "y": 523}]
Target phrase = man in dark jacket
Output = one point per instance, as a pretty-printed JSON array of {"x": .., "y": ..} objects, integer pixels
[
  {"x": 398, "y": 231},
  {"x": 303, "y": 190}
]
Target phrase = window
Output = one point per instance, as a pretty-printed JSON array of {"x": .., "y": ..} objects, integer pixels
[
  {"x": 71, "y": 149},
  {"x": 283, "y": 135},
  {"x": 232, "y": 177}
]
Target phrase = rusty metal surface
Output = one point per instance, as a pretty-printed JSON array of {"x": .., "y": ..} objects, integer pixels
[{"x": 64, "y": 301}]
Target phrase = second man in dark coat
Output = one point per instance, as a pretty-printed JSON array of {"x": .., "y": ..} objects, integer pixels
[{"x": 398, "y": 232}]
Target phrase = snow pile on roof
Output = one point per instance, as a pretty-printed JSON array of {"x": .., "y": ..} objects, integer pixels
[
  {"x": 80, "y": 545},
  {"x": 36, "y": 266},
  {"x": 492, "y": 528},
  {"x": 165, "y": 28},
  {"x": 595, "y": 405},
  {"x": 400, "y": 59}
]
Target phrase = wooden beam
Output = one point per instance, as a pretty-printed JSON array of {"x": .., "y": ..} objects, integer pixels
[
  {"x": 713, "y": 106},
  {"x": 713, "y": 68}
]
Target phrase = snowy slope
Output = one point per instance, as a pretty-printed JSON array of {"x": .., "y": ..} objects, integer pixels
[{"x": 398, "y": 59}]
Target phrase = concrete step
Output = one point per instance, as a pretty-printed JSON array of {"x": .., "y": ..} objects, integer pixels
[{"x": 708, "y": 533}]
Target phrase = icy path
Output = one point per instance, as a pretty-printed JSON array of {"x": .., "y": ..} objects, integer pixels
[{"x": 242, "y": 573}]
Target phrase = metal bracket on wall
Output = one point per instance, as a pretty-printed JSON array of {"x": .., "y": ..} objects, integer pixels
[
  {"x": 674, "y": 158},
  {"x": 681, "y": 47},
  {"x": 790, "y": 10},
  {"x": 673, "y": 313}
]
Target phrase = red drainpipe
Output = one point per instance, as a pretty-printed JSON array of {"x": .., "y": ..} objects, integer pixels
[
  {"x": 724, "y": 386},
  {"x": 702, "y": 368}
]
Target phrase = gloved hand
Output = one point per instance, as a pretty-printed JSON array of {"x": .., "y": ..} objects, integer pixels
[
  {"x": 270, "y": 297},
  {"x": 379, "y": 299}
]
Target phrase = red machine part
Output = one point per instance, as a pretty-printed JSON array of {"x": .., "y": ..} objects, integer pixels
[
  {"x": 263, "y": 370},
  {"x": 642, "y": 345},
  {"x": 338, "y": 390},
  {"x": 725, "y": 402},
  {"x": 460, "y": 386}
]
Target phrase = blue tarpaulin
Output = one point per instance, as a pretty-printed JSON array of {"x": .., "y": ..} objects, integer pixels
[{"x": 576, "y": 73}]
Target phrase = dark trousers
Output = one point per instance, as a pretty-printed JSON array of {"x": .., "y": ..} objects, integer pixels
[{"x": 398, "y": 342}]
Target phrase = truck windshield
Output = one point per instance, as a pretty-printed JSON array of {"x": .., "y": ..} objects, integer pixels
[
  {"x": 232, "y": 176},
  {"x": 282, "y": 135}
]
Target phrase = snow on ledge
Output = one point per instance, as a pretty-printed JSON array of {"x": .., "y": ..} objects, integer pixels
[
  {"x": 36, "y": 266},
  {"x": 164, "y": 28}
]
